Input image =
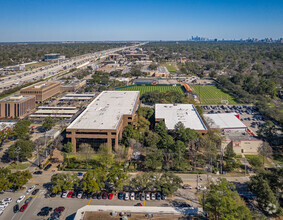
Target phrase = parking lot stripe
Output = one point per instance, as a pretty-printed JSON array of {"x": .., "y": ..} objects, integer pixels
[
  {"x": 89, "y": 201},
  {"x": 143, "y": 203}
]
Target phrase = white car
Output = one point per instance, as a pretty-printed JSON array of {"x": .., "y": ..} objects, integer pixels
[
  {"x": 152, "y": 196},
  {"x": 9, "y": 200},
  {"x": 21, "y": 199},
  {"x": 30, "y": 189},
  {"x": 4, "y": 204},
  {"x": 64, "y": 194},
  {"x": 132, "y": 196},
  {"x": 147, "y": 196},
  {"x": 127, "y": 196}
]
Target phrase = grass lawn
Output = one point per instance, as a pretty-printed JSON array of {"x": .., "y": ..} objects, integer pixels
[
  {"x": 172, "y": 68},
  {"x": 211, "y": 95},
  {"x": 144, "y": 89},
  {"x": 22, "y": 166},
  {"x": 82, "y": 157}
]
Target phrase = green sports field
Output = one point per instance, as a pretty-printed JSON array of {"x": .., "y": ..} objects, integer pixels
[
  {"x": 210, "y": 94},
  {"x": 144, "y": 89}
]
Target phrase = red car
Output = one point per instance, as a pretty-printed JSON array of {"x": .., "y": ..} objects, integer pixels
[
  {"x": 110, "y": 196},
  {"x": 59, "y": 209},
  {"x": 70, "y": 194},
  {"x": 139, "y": 204},
  {"x": 23, "y": 208}
]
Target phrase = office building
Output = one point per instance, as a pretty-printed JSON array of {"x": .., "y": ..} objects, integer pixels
[
  {"x": 42, "y": 90},
  {"x": 16, "y": 106},
  {"x": 104, "y": 119}
]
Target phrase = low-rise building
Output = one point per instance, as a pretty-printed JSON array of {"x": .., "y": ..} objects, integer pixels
[
  {"x": 54, "y": 112},
  {"x": 104, "y": 119},
  {"x": 171, "y": 114},
  {"x": 72, "y": 86},
  {"x": 78, "y": 97},
  {"x": 52, "y": 57},
  {"x": 17, "y": 106},
  {"x": 42, "y": 91}
]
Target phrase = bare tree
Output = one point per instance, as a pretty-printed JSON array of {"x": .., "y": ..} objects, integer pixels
[
  {"x": 87, "y": 151},
  {"x": 265, "y": 151}
]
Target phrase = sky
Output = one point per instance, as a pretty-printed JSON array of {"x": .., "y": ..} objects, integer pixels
[{"x": 116, "y": 20}]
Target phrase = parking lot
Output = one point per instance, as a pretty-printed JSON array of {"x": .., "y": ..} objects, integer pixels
[{"x": 247, "y": 114}]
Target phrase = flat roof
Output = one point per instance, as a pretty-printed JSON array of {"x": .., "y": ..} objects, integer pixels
[
  {"x": 55, "y": 111},
  {"x": 40, "y": 86},
  {"x": 75, "y": 98},
  {"x": 80, "y": 95},
  {"x": 16, "y": 98},
  {"x": 174, "y": 113},
  {"x": 56, "y": 107},
  {"x": 224, "y": 121},
  {"x": 106, "y": 110},
  {"x": 52, "y": 116}
]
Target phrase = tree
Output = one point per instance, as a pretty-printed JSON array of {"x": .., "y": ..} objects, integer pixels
[
  {"x": 265, "y": 197},
  {"x": 179, "y": 160},
  {"x": 64, "y": 181},
  {"x": 87, "y": 151},
  {"x": 106, "y": 157},
  {"x": 19, "y": 179},
  {"x": 267, "y": 131},
  {"x": 4, "y": 181},
  {"x": 25, "y": 149},
  {"x": 68, "y": 148},
  {"x": 229, "y": 152},
  {"x": 223, "y": 202},
  {"x": 94, "y": 180},
  {"x": 265, "y": 151},
  {"x": 118, "y": 177},
  {"x": 127, "y": 134},
  {"x": 145, "y": 181},
  {"x": 4, "y": 135},
  {"x": 153, "y": 159},
  {"x": 21, "y": 129},
  {"x": 48, "y": 123},
  {"x": 169, "y": 183}
]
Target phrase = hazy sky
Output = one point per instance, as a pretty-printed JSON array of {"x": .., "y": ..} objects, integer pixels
[{"x": 83, "y": 20}]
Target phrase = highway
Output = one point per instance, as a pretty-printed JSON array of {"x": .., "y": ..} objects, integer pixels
[{"x": 55, "y": 68}]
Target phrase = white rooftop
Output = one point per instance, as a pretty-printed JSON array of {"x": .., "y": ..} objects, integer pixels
[
  {"x": 106, "y": 110},
  {"x": 224, "y": 121},
  {"x": 174, "y": 113}
]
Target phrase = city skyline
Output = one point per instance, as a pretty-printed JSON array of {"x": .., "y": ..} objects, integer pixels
[{"x": 33, "y": 21}]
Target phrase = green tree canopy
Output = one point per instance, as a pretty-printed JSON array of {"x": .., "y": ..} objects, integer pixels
[
  {"x": 25, "y": 148},
  {"x": 48, "y": 123},
  {"x": 64, "y": 181}
]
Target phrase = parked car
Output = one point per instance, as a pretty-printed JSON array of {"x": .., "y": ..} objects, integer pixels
[
  {"x": 64, "y": 193},
  {"x": 80, "y": 194},
  {"x": 80, "y": 174},
  {"x": 120, "y": 195},
  {"x": 104, "y": 195},
  {"x": 52, "y": 195},
  {"x": 94, "y": 196},
  {"x": 127, "y": 196},
  {"x": 16, "y": 208},
  {"x": 139, "y": 204},
  {"x": 110, "y": 196},
  {"x": 30, "y": 189},
  {"x": 70, "y": 194},
  {"x": 48, "y": 167},
  {"x": 84, "y": 195},
  {"x": 21, "y": 199},
  {"x": 8, "y": 200},
  {"x": 132, "y": 196},
  {"x": 43, "y": 213},
  {"x": 59, "y": 209},
  {"x": 35, "y": 192},
  {"x": 153, "y": 196},
  {"x": 142, "y": 196},
  {"x": 158, "y": 196},
  {"x": 28, "y": 200},
  {"x": 147, "y": 196},
  {"x": 46, "y": 208},
  {"x": 137, "y": 196},
  {"x": 23, "y": 208},
  {"x": 99, "y": 195},
  {"x": 163, "y": 196}
]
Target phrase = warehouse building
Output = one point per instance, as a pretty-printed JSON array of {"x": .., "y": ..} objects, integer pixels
[
  {"x": 16, "y": 106},
  {"x": 171, "y": 114},
  {"x": 104, "y": 119},
  {"x": 227, "y": 122},
  {"x": 42, "y": 91}
]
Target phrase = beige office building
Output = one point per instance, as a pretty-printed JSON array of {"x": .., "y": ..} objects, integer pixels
[
  {"x": 42, "y": 90},
  {"x": 16, "y": 106},
  {"x": 104, "y": 120}
]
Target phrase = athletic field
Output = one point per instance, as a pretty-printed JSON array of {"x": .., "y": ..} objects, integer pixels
[
  {"x": 144, "y": 89},
  {"x": 210, "y": 94}
]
